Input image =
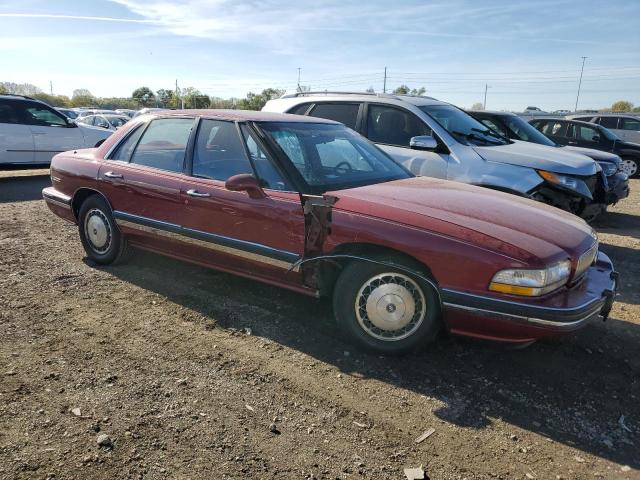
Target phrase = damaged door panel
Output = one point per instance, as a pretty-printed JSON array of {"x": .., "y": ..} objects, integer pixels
[{"x": 317, "y": 226}]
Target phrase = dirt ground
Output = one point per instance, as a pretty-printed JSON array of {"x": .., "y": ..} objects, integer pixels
[{"x": 187, "y": 373}]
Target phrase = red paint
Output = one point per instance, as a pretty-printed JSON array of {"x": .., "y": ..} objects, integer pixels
[{"x": 462, "y": 234}]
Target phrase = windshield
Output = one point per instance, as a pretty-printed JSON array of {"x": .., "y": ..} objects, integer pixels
[
  {"x": 462, "y": 126},
  {"x": 117, "y": 121},
  {"x": 526, "y": 132},
  {"x": 332, "y": 157}
]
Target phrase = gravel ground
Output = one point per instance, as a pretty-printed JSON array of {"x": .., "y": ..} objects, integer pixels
[{"x": 158, "y": 369}]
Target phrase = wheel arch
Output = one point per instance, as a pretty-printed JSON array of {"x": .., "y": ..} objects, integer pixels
[
  {"x": 328, "y": 271},
  {"x": 81, "y": 195}
]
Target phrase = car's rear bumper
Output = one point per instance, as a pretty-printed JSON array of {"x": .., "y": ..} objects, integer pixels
[
  {"x": 58, "y": 203},
  {"x": 523, "y": 321}
]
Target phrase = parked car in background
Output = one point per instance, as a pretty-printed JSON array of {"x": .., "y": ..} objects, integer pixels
[
  {"x": 437, "y": 139},
  {"x": 32, "y": 132},
  {"x": 534, "y": 110},
  {"x": 67, "y": 112},
  {"x": 126, "y": 111},
  {"x": 514, "y": 127},
  {"x": 590, "y": 135},
  {"x": 625, "y": 126},
  {"x": 309, "y": 205},
  {"x": 144, "y": 111},
  {"x": 94, "y": 111},
  {"x": 110, "y": 122}
]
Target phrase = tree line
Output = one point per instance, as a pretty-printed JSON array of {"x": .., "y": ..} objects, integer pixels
[{"x": 191, "y": 97}]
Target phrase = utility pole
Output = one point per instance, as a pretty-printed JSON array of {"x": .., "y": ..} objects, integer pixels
[
  {"x": 384, "y": 87},
  {"x": 579, "y": 84},
  {"x": 177, "y": 96},
  {"x": 51, "y": 87},
  {"x": 299, "y": 70},
  {"x": 484, "y": 105}
]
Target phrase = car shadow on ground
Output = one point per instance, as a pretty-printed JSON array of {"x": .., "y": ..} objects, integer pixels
[
  {"x": 618, "y": 223},
  {"x": 572, "y": 390},
  {"x": 629, "y": 280},
  {"x": 23, "y": 188}
]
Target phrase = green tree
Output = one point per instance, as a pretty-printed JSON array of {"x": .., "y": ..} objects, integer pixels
[
  {"x": 477, "y": 106},
  {"x": 144, "y": 96},
  {"x": 20, "y": 88},
  {"x": 82, "y": 98},
  {"x": 405, "y": 90},
  {"x": 54, "y": 100},
  {"x": 622, "y": 106},
  {"x": 255, "y": 101},
  {"x": 165, "y": 97},
  {"x": 3, "y": 89}
]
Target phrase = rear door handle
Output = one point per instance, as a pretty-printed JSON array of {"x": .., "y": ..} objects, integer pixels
[
  {"x": 194, "y": 193},
  {"x": 112, "y": 175}
]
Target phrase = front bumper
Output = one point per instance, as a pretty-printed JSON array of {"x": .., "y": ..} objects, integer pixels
[
  {"x": 618, "y": 188},
  {"x": 59, "y": 203},
  {"x": 529, "y": 319}
]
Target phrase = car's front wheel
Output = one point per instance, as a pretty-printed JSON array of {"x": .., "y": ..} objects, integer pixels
[
  {"x": 631, "y": 166},
  {"x": 386, "y": 308},
  {"x": 99, "y": 234}
]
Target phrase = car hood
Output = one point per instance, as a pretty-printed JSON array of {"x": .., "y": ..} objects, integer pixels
[
  {"x": 539, "y": 157},
  {"x": 597, "y": 155},
  {"x": 522, "y": 229}
]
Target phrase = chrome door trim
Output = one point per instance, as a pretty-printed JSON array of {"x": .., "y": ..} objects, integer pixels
[{"x": 240, "y": 248}]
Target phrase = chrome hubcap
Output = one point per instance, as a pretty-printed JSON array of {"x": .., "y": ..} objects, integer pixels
[
  {"x": 97, "y": 230},
  {"x": 629, "y": 167},
  {"x": 390, "y": 306}
]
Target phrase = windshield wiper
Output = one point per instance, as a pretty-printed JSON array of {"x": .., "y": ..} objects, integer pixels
[
  {"x": 488, "y": 131},
  {"x": 473, "y": 136}
]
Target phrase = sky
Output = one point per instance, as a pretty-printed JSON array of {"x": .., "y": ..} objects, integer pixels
[{"x": 527, "y": 52}]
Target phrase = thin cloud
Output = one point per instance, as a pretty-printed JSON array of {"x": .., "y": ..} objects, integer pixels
[{"x": 79, "y": 17}]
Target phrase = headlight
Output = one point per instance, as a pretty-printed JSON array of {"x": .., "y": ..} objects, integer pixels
[
  {"x": 608, "y": 168},
  {"x": 531, "y": 283},
  {"x": 567, "y": 182}
]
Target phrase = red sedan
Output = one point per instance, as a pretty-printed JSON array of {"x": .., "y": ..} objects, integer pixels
[{"x": 309, "y": 205}]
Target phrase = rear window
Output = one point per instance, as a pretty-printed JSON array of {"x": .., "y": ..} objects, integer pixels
[{"x": 346, "y": 113}]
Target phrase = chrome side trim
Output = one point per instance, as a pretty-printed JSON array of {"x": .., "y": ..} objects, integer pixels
[
  {"x": 559, "y": 325},
  {"x": 231, "y": 246},
  {"x": 520, "y": 304},
  {"x": 51, "y": 195}
]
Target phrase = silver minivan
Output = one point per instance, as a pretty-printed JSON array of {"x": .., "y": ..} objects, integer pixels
[
  {"x": 437, "y": 139},
  {"x": 625, "y": 126}
]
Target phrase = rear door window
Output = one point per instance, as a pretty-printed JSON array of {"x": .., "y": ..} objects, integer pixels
[
  {"x": 9, "y": 112},
  {"x": 346, "y": 113},
  {"x": 557, "y": 129},
  {"x": 608, "y": 122},
  {"x": 495, "y": 126},
  {"x": 163, "y": 144}
]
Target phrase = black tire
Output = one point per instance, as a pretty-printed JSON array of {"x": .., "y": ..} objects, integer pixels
[
  {"x": 99, "y": 234},
  {"x": 359, "y": 282},
  {"x": 635, "y": 174}
]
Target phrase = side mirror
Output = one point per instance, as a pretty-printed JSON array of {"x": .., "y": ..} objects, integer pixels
[
  {"x": 595, "y": 138},
  {"x": 245, "y": 182},
  {"x": 423, "y": 142},
  {"x": 71, "y": 123}
]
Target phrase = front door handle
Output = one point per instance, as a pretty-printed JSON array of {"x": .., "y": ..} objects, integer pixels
[
  {"x": 194, "y": 193},
  {"x": 112, "y": 175}
]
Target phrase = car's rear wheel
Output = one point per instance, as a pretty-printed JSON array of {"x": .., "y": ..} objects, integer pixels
[
  {"x": 630, "y": 166},
  {"x": 386, "y": 308},
  {"x": 99, "y": 234}
]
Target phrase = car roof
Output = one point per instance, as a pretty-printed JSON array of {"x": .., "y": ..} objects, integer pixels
[
  {"x": 310, "y": 97},
  {"x": 555, "y": 119},
  {"x": 242, "y": 116}
]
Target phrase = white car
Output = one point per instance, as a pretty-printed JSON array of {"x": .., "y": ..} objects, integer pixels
[
  {"x": 110, "y": 122},
  {"x": 33, "y": 132},
  {"x": 625, "y": 125}
]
